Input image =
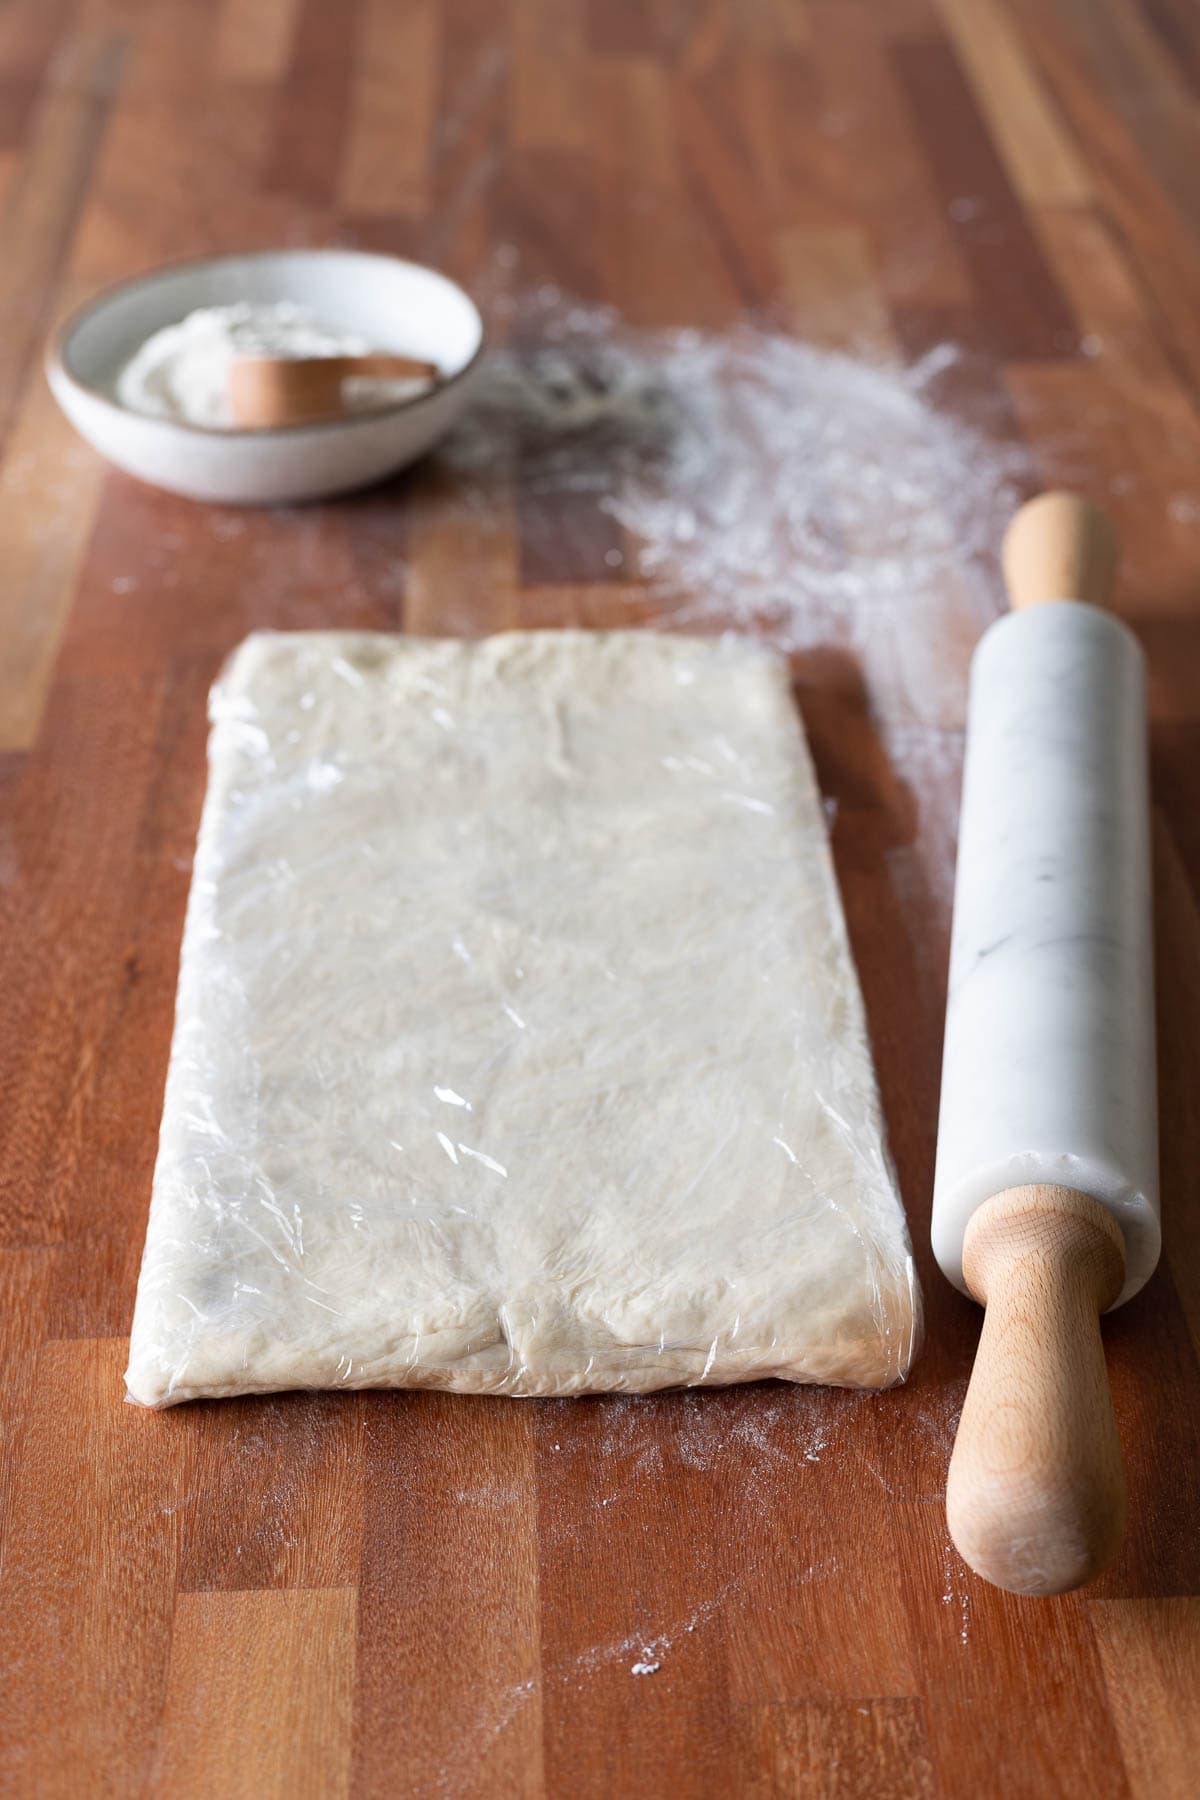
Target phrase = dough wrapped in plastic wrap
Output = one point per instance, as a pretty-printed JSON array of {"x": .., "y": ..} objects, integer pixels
[{"x": 518, "y": 1046}]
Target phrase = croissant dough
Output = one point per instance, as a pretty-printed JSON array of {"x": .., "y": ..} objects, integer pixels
[{"x": 518, "y": 1047}]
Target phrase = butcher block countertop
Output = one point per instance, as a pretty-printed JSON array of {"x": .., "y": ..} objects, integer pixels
[{"x": 740, "y": 1592}]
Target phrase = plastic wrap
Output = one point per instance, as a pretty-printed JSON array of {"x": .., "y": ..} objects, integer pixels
[{"x": 518, "y": 1045}]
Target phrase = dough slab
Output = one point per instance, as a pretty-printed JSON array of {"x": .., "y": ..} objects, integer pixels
[{"x": 518, "y": 1047}]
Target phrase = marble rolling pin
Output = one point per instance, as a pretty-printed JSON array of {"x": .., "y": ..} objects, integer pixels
[{"x": 1046, "y": 1196}]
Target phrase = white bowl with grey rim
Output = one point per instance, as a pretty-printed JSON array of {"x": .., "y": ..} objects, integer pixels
[{"x": 392, "y": 304}]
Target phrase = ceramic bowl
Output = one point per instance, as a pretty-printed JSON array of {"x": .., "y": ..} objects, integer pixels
[{"x": 393, "y": 304}]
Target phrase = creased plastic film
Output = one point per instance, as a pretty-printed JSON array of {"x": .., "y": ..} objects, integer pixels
[{"x": 518, "y": 1045}]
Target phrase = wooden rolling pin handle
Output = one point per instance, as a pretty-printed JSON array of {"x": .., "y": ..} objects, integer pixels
[
  {"x": 1036, "y": 1494},
  {"x": 1059, "y": 547}
]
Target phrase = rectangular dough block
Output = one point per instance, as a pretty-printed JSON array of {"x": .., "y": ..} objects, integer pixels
[{"x": 518, "y": 1047}]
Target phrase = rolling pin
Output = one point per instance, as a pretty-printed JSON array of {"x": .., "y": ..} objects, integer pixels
[{"x": 1045, "y": 1202}]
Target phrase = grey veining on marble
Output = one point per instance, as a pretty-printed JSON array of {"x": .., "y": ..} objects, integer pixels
[{"x": 1048, "y": 1071}]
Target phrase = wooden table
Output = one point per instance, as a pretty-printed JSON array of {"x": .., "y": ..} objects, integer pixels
[{"x": 396, "y": 1594}]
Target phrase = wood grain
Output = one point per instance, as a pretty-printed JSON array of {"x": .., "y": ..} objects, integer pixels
[
  {"x": 385, "y": 168},
  {"x": 48, "y": 500},
  {"x": 549, "y": 94},
  {"x": 832, "y": 286},
  {"x": 749, "y": 1592},
  {"x": 1035, "y": 1497},
  {"x": 823, "y": 1751},
  {"x": 1015, "y": 300},
  {"x": 1041, "y": 157},
  {"x": 449, "y": 1613},
  {"x": 1178, "y": 1015},
  {"x": 259, "y": 1698},
  {"x": 1150, "y": 1650},
  {"x": 254, "y": 38},
  {"x": 47, "y": 191},
  {"x": 313, "y": 107},
  {"x": 87, "y": 1590}
]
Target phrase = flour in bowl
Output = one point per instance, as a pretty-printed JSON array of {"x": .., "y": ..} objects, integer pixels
[{"x": 182, "y": 371}]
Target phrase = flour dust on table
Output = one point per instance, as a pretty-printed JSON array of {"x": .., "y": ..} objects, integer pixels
[
  {"x": 518, "y": 1044},
  {"x": 808, "y": 494}
]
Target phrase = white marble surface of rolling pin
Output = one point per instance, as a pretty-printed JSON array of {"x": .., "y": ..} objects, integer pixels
[{"x": 1048, "y": 1073}]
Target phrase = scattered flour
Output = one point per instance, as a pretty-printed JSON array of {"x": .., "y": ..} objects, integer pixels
[
  {"x": 762, "y": 483},
  {"x": 955, "y": 1594}
]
